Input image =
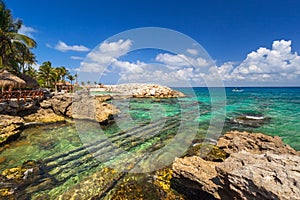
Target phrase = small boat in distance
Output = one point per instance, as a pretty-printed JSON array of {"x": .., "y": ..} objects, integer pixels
[{"x": 237, "y": 90}]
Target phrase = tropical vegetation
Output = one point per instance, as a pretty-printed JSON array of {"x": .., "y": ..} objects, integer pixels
[
  {"x": 15, "y": 48},
  {"x": 16, "y": 54}
]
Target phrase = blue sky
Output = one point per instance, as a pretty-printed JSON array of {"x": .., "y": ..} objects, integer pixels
[{"x": 229, "y": 31}]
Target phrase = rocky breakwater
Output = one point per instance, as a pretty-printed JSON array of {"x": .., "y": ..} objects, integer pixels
[
  {"x": 258, "y": 167},
  {"x": 138, "y": 90}
]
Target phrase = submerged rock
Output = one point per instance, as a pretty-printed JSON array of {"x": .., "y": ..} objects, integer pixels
[
  {"x": 254, "y": 121},
  {"x": 208, "y": 152},
  {"x": 13, "y": 181},
  {"x": 94, "y": 186},
  {"x": 259, "y": 167}
]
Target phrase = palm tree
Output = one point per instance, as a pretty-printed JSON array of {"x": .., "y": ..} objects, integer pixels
[
  {"x": 76, "y": 78},
  {"x": 44, "y": 74},
  {"x": 12, "y": 43},
  {"x": 71, "y": 78},
  {"x": 31, "y": 72},
  {"x": 62, "y": 72},
  {"x": 55, "y": 77}
]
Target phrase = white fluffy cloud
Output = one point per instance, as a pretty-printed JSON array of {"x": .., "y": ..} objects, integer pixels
[
  {"x": 180, "y": 60},
  {"x": 28, "y": 31},
  {"x": 265, "y": 65},
  {"x": 278, "y": 63},
  {"x": 62, "y": 46},
  {"x": 105, "y": 54}
]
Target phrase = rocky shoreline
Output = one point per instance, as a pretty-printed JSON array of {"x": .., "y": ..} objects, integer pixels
[
  {"x": 59, "y": 107},
  {"x": 258, "y": 167}
]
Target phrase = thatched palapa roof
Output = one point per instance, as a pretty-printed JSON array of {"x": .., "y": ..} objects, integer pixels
[{"x": 8, "y": 79}]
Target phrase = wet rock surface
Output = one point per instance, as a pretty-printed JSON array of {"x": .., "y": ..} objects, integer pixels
[{"x": 259, "y": 167}]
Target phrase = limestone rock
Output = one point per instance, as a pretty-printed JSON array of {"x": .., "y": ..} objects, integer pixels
[
  {"x": 193, "y": 176},
  {"x": 235, "y": 141},
  {"x": 44, "y": 116},
  {"x": 259, "y": 167},
  {"x": 18, "y": 108},
  {"x": 9, "y": 127},
  {"x": 139, "y": 90},
  {"x": 92, "y": 108},
  {"x": 59, "y": 103},
  {"x": 266, "y": 176}
]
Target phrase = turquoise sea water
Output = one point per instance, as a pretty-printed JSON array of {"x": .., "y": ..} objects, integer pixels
[
  {"x": 281, "y": 105},
  {"x": 144, "y": 126}
]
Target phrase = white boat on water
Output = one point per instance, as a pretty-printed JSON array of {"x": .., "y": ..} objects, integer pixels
[{"x": 237, "y": 90}]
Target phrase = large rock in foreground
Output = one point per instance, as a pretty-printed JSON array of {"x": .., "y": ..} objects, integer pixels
[
  {"x": 139, "y": 90},
  {"x": 266, "y": 176},
  {"x": 93, "y": 108},
  {"x": 259, "y": 167},
  {"x": 80, "y": 107}
]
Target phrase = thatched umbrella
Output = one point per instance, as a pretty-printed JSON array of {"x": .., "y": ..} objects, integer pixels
[
  {"x": 11, "y": 81},
  {"x": 30, "y": 82}
]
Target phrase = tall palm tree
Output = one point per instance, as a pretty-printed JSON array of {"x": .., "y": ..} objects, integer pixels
[
  {"x": 71, "y": 78},
  {"x": 63, "y": 72},
  {"x": 45, "y": 73},
  {"x": 12, "y": 43},
  {"x": 76, "y": 78}
]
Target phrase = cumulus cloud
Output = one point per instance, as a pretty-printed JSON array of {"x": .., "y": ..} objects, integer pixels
[
  {"x": 264, "y": 65},
  {"x": 105, "y": 54},
  {"x": 28, "y": 31},
  {"x": 181, "y": 60},
  {"x": 62, "y": 46}
]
